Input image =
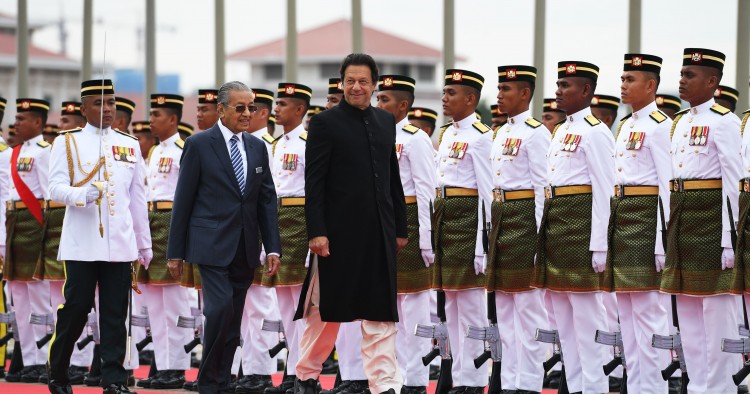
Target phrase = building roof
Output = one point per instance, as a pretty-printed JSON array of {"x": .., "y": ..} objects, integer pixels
[
  {"x": 38, "y": 57},
  {"x": 334, "y": 40}
]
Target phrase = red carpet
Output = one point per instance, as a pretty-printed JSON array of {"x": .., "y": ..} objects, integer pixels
[{"x": 23, "y": 388}]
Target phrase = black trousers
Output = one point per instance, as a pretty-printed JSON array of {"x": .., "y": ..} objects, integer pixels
[
  {"x": 81, "y": 279},
  {"x": 224, "y": 292}
]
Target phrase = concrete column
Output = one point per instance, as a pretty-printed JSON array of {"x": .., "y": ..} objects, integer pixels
[
  {"x": 88, "y": 32},
  {"x": 540, "y": 15},
  {"x": 634, "y": 26},
  {"x": 22, "y": 36},
  {"x": 449, "y": 34},
  {"x": 743, "y": 52},
  {"x": 219, "y": 47},
  {"x": 358, "y": 45},
  {"x": 290, "y": 67},
  {"x": 150, "y": 54}
]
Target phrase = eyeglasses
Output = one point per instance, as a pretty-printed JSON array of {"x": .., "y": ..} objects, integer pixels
[
  {"x": 241, "y": 108},
  {"x": 362, "y": 82}
]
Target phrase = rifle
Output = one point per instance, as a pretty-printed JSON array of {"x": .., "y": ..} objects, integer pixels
[
  {"x": 551, "y": 336},
  {"x": 145, "y": 322},
  {"x": 492, "y": 345},
  {"x": 673, "y": 343},
  {"x": 614, "y": 339},
  {"x": 43, "y": 320},
  {"x": 278, "y": 327},
  {"x": 93, "y": 324},
  {"x": 9, "y": 319},
  {"x": 195, "y": 321},
  {"x": 439, "y": 333}
]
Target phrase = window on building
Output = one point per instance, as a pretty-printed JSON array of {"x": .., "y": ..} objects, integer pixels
[
  {"x": 401, "y": 69},
  {"x": 329, "y": 70},
  {"x": 425, "y": 72},
  {"x": 272, "y": 71}
]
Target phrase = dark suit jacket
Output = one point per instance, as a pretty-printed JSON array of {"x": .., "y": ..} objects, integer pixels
[
  {"x": 210, "y": 213},
  {"x": 355, "y": 198}
]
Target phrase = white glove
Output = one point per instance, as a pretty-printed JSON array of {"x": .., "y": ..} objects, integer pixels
[
  {"x": 599, "y": 261},
  {"x": 727, "y": 259},
  {"x": 262, "y": 256},
  {"x": 145, "y": 256},
  {"x": 661, "y": 260},
  {"x": 92, "y": 194},
  {"x": 480, "y": 263},
  {"x": 428, "y": 257},
  {"x": 307, "y": 259}
]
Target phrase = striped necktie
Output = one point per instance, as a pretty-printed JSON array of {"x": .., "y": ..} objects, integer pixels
[{"x": 237, "y": 162}]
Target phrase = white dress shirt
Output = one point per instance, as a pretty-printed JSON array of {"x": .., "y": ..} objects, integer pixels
[
  {"x": 36, "y": 177},
  {"x": 646, "y": 163},
  {"x": 164, "y": 169},
  {"x": 290, "y": 181},
  {"x": 227, "y": 134},
  {"x": 716, "y": 159},
  {"x": 525, "y": 168},
  {"x": 416, "y": 163},
  {"x": 591, "y": 163},
  {"x": 472, "y": 171},
  {"x": 268, "y": 139}
]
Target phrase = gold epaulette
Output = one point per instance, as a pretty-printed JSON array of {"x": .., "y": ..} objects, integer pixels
[
  {"x": 268, "y": 138},
  {"x": 720, "y": 109},
  {"x": 273, "y": 145},
  {"x": 303, "y": 136},
  {"x": 744, "y": 121},
  {"x": 481, "y": 127},
  {"x": 533, "y": 123},
  {"x": 77, "y": 129},
  {"x": 442, "y": 131},
  {"x": 150, "y": 151},
  {"x": 125, "y": 134},
  {"x": 658, "y": 116},
  {"x": 592, "y": 120},
  {"x": 622, "y": 122},
  {"x": 410, "y": 128},
  {"x": 3, "y": 147},
  {"x": 43, "y": 143},
  {"x": 557, "y": 126},
  {"x": 677, "y": 116},
  {"x": 180, "y": 143}
]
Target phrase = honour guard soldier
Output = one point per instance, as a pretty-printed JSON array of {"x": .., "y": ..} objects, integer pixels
[
  {"x": 740, "y": 279},
  {"x": 634, "y": 263},
  {"x": 185, "y": 130},
  {"x": 98, "y": 174},
  {"x": 142, "y": 131},
  {"x": 207, "y": 113},
  {"x": 552, "y": 115},
  {"x": 464, "y": 185},
  {"x": 424, "y": 118},
  {"x": 165, "y": 298},
  {"x": 335, "y": 92},
  {"x": 312, "y": 111},
  {"x": 669, "y": 105},
  {"x": 413, "y": 273},
  {"x": 29, "y": 169},
  {"x": 727, "y": 97},
  {"x": 71, "y": 117},
  {"x": 572, "y": 236},
  {"x": 288, "y": 166},
  {"x": 50, "y": 132},
  {"x": 700, "y": 256},
  {"x": 499, "y": 118},
  {"x": 519, "y": 176},
  {"x": 13, "y": 139},
  {"x": 604, "y": 108},
  {"x": 261, "y": 302},
  {"x": 124, "y": 114}
]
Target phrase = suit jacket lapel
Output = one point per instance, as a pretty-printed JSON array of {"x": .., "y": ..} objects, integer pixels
[{"x": 222, "y": 153}]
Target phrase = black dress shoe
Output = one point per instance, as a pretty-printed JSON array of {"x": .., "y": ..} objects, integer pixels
[
  {"x": 117, "y": 389},
  {"x": 356, "y": 387},
  {"x": 146, "y": 383},
  {"x": 457, "y": 390},
  {"x": 474, "y": 390},
  {"x": 44, "y": 376},
  {"x": 309, "y": 386},
  {"x": 13, "y": 377},
  {"x": 190, "y": 386},
  {"x": 56, "y": 387},
  {"x": 76, "y": 374},
  {"x": 330, "y": 367},
  {"x": 413, "y": 390},
  {"x": 171, "y": 379},
  {"x": 255, "y": 384},
  {"x": 509, "y": 392},
  {"x": 92, "y": 380},
  {"x": 285, "y": 385},
  {"x": 336, "y": 389},
  {"x": 32, "y": 373}
]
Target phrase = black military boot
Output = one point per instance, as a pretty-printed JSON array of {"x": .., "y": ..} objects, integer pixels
[
  {"x": 286, "y": 384},
  {"x": 309, "y": 386}
]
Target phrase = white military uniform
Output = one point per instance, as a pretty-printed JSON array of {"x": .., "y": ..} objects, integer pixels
[
  {"x": 520, "y": 314},
  {"x": 642, "y": 312},
  {"x": 417, "y": 172},
  {"x": 465, "y": 308},
  {"x": 166, "y": 301},
  {"x": 579, "y": 315},
  {"x": 31, "y": 296},
  {"x": 704, "y": 321},
  {"x": 290, "y": 184}
]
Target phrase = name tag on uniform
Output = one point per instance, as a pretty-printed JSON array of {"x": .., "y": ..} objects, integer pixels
[
  {"x": 25, "y": 164},
  {"x": 289, "y": 162},
  {"x": 635, "y": 140},
  {"x": 511, "y": 146},
  {"x": 165, "y": 165},
  {"x": 698, "y": 136},
  {"x": 458, "y": 150},
  {"x": 399, "y": 149},
  {"x": 123, "y": 153},
  {"x": 571, "y": 142}
]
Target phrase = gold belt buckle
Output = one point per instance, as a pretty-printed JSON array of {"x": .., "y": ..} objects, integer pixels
[
  {"x": 439, "y": 192},
  {"x": 497, "y": 195},
  {"x": 548, "y": 192},
  {"x": 619, "y": 190},
  {"x": 746, "y": 185},
  {"x": 676, "y": 185}
]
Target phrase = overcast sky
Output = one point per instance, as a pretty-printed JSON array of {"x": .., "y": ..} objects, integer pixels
[{"x": 488, "y": 32}]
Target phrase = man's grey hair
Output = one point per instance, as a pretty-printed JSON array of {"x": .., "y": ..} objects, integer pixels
[{"x": 228, "y": 87}]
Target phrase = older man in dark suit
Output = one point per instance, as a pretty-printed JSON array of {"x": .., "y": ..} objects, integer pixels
[
  {"x": 224, "y": 194},
  {"x": 356, "y": 223}
]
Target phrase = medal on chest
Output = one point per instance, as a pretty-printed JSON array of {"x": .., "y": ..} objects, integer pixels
[
  {"x": 289, "y": 162},
  {"x": 399, "y": 149},
  {"x": 123, "y": 153},
  {"x": 571, "y": 142},
  {"x": 698, "y": 136},
  {"x": 511, "y": 146},
  {"x": 165, "y": 165},
  {"x": 635, "y": 140},
  {"x": 25, "y": 164},
  {"x": 458, "y": 150}
]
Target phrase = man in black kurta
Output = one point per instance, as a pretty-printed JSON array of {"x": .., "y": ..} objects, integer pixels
[{"x": 356, "y": 223}]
